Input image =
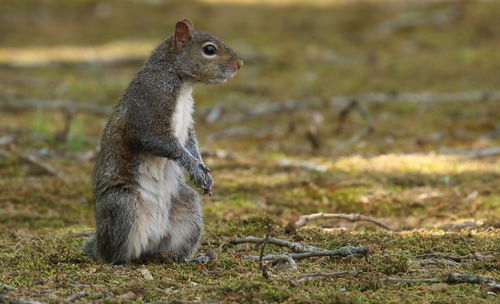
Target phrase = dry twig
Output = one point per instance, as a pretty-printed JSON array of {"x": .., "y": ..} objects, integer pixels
[
  {"x": 348, "y": 251},
  {"x": 75, "y": 296},
  {"x": 422, "y": 97},
  {"x": 354, "y": 217},
  {"x": 414, "y": 280},
  {"x": 213, "y": 114},
  {"x": 458, "y": 258},
  {"x": 270, "y": 110},
  {"x": 34, "y": 160},
  {"x": 242, "y": 131},
  {"x": 67, "y": 106},
  {"x": 487, "y": 152},
  {"x": 8, "y": 287},
  {"x": 434, "y": 261},
  {"x": 16, "y": 300},
  {"x": 288, "y": 163},
  {"x": 79, "y": 285},
  {"x": 410, "y": 20},
  {"x": 451, "y": 278},
  {"x": 365, "y": 115},
  {"x": 262, "y": 266},
  {"x": 39, "y": 163},
  {"x": 294, "y": 246},
  {"x": 371, "y": 97},
  {"x": 6, "y": 140},
  {"x": 218, "y": 153}
]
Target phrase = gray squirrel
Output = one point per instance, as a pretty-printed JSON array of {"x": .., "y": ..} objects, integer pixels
[{"x": 143, "y": 204}]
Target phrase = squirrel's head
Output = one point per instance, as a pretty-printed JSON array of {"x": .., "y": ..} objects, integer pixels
[{"x": 201, "y": 56}]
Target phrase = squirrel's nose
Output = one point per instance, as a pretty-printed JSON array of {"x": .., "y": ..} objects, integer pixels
[{"x": 239, "y": 64}]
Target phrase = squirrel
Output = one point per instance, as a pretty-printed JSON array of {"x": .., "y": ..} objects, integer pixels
[{"x": 143, "y": 205}]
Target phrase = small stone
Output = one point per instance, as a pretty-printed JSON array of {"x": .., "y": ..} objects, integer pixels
[{"x": 146, "y": 274}]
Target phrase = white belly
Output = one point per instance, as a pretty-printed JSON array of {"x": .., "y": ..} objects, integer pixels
[
  {"x": 158, "y": 180},
  {"x": 182, "y": 118}
]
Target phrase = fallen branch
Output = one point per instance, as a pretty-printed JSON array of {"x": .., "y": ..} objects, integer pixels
[
  {"x": 66, "y": 106},
  {"x": 80, "y": 155},
  {"x": 371, "y": 97},
  {"x": 458, "y": 258},
  {"x": 363, "y": 112},
  {"x": 83, "y": 62},
  {"x": 6, "y": 140},
  {"x": 451, "y": 278},
  {"x": 466, "y": 225},
  {"x": 79, "y": 285},
  {"x": 218, "y": 153},
  {"x": 39, "y": 163},
  {"x": 242, "y": 131},
  {"x": 288, "y": 163},
  {"x": 8, "y": 287},
  {"x": 365, "y": 115},
  {"x": 75, "y": 296},
  {"x": 348, "y": 251},
  {"x": 434, "y": 261},
  {"x": 411, "y": 20},
  {"x": 313, "y": 134},
  {"x": 274, "y": 108},
  {"x": 492, "y": 151},
  {"x": 412, "y": 280},
  {"x": 423, "y": 97},
  {"x": 354, "y": 217},
  {"x": 294, "y": 246},
  {"x": 16, "y": 300},
  {"x": 306, "y": 277},
  {"x": 34, "y": 160},
  {"x": 213, "y": 114},
  {"x": 262, "y": 266}
]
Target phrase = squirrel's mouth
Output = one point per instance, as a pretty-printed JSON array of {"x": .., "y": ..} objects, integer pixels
[
  {"x": 224, "y": 77},
  {"x": 217, "y": 80}
]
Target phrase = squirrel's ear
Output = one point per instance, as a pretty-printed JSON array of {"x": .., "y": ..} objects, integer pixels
[
  {"x": 188, "y": 23},
  {"x": 183, "y": 33}
]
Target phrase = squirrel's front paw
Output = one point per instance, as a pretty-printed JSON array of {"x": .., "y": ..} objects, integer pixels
[{"x": 201, "y": 177}]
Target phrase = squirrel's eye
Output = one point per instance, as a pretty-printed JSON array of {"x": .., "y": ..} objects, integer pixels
[{"x": 209, "y": 49}]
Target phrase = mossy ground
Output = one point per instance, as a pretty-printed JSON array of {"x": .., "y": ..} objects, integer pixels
[{"x": 57, "y": 51}]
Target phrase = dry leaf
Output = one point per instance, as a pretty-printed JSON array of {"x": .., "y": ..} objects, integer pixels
[{"x": 146, "y": 274}]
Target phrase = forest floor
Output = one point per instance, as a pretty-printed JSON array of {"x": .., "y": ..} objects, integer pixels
[{"x": 278, "y": 145}]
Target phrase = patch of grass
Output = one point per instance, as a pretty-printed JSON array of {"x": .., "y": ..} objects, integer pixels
[{"x": 52, "y": 261}]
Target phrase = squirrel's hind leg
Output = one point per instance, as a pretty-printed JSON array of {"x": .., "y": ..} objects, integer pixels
[
  {"x": 186, "y": 224},
  {"x": 116, "y": 213}
]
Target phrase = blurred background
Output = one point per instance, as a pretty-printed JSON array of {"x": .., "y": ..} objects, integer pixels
[{"x": 387, "y": 108}]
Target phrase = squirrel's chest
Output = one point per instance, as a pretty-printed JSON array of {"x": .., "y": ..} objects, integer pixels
[{"x": 182, "y": 118}]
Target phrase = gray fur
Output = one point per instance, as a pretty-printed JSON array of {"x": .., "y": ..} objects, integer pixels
[{"x": 143, "y": 204}]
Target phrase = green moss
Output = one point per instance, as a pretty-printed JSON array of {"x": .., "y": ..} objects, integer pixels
[
  {"x": 491, "y": 202},
  {"x": 391, "y": 265},
  {"x": 238, "y": 205}
]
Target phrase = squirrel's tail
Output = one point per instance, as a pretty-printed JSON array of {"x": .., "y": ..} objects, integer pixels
[{"x": 90, "y": 248}]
